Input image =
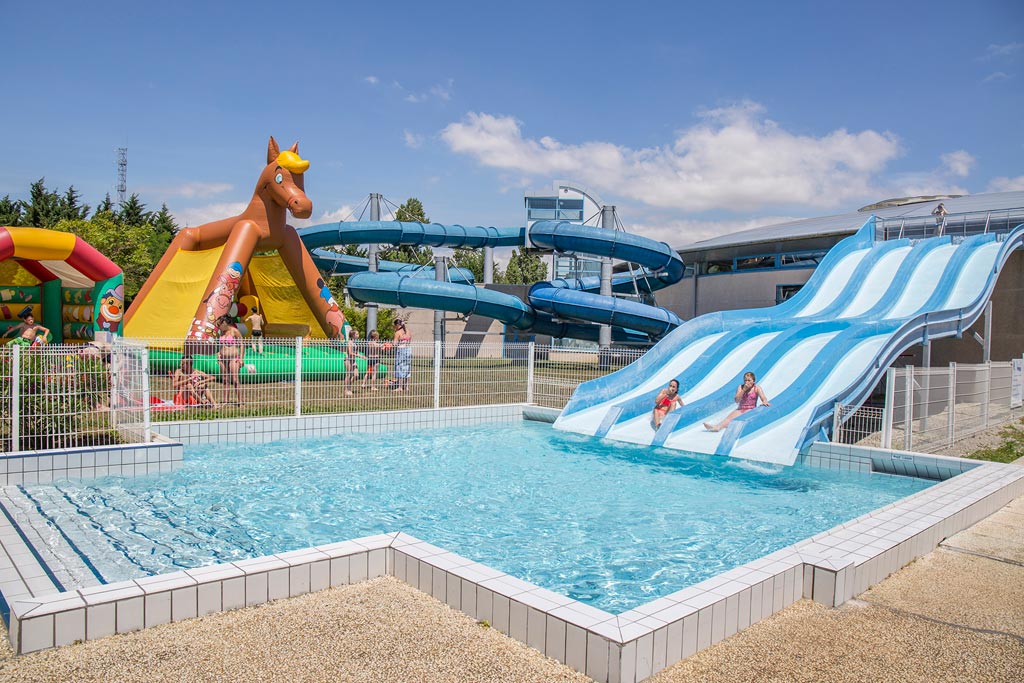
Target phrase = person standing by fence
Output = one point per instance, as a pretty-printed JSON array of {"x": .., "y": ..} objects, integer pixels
[{"x": 403, "y": 356}]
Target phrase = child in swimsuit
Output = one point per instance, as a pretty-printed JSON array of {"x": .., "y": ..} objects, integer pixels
[
  {"x": 746, "y": 400},
  {"x": 667, "y": 400}
]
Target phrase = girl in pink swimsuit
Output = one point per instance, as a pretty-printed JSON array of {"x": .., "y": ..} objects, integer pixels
[{"x": 746, "y": 399}]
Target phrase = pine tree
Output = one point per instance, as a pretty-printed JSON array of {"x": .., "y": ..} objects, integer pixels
[
  {"x": 163, "y": 223},
  {"x": 133, "y": 212},
  {"x": 10, "y": 211},
  {"x": 525, "y": 268}
]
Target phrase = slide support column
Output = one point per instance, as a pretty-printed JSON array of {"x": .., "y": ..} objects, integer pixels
[
  {"x": 371, "y": 255},
  {"x": 604, "y": 334}
]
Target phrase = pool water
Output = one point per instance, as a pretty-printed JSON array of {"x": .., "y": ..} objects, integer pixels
[{"x": 613, "y": 525}]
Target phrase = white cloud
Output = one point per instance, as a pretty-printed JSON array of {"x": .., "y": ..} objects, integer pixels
[
  {"x": 412, "y": 140},
  {"x": 443, "y": 92},
  {"x": 189, "y": 190},
  {"x": 734, "y": 158},
  {"x": 198, "y": 215},
  {"x": 1003, "y": 50},
  {"x": 680, "y": 232},
  {"x": 414, "y": 98},
  {"x": 1004, "y": 184},
  {"x": 345, "y": 213},
  {"x": 372, "y": 80},
  {"x": 959, "y": 163},
  {"x": 996, "y": 76}
]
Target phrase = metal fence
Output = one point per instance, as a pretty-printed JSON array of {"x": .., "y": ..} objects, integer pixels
[
  {"x": 61, "y": 396},
  {"x": 954, "y": 224},
  {"x": 932, "y": 408}
]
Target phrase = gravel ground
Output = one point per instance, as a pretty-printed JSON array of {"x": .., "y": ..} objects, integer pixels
[
  {"x": 375, "y": 631},
  {"x": 904, "y": 629}
]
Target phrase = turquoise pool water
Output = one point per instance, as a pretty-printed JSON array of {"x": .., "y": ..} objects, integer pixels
[{"x": 613, "y": 525}]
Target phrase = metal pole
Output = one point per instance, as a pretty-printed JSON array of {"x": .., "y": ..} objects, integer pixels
[
  {"x": 908, "y": 407},
  {"x": 15, "y": 398},
  {"x": 440, "y": 275},
  {"x": 529, "y": 373},
  {"x": 988, "y": 392},
  {"x": 147, "y": 421},
  {"x": 488, "y": 265},
  {"x": 951, "y": 419},
  {"x": 986, "y": 355},
  {"x": 298, "y": 376},
  {"x": 371, "y": 255},
  {"x": 604, "y": 335},
  {"x": 438, "y": 354},
  {"x": 887, "y": 413},
  {"x": 926, "y": 382}
]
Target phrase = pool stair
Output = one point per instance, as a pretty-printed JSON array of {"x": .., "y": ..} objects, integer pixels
[{"x": 864, "y": 305}]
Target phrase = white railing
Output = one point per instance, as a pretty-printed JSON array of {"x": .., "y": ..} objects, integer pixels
[
  {"x": 62, "y": 396},
  {"x": 933, "y": 408}
]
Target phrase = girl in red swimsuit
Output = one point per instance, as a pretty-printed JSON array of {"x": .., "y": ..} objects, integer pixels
[{"x": 667, "y": 400}]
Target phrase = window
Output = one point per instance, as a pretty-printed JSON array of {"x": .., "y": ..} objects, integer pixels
[
  {"x": 801, "y": 259},
  {"x": 783, "y": 292}
]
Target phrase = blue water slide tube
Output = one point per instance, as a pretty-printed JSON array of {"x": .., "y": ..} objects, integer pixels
[
  {"x": 414, "y": 234},
  {"x": 398, "y": 289},
  {"x": 576, "y": 305},
  {"x": 571, "y": 238},
  {"x": 334, "y": 263},
  {"x": 559, "y": 304}
]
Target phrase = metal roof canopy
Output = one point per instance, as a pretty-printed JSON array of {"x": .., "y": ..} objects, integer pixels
[{"x": 823, "y": 232}]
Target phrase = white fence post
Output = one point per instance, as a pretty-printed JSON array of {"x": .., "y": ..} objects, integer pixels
[
  {"x": 298, "y": 376},
  {"x": 988, "y": 393},
  {"x": 888, "y": 410},
  {"x": 15, "y": 398},
  {"x": 951, "y": 410},
  {"x": 835, "y": 421},
  {"x": 438, "y": 354},
  {"x": 908, "y": 408},
  {"x": 529, "y": 372},
  {"x": 147, "y": 422}
]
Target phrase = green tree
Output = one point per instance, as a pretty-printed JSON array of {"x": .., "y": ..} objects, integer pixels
[
  {"x": 45, "y": 208},
  {"x": 473, "y": 260},
  {"x": 411, "y": 211},
  {"x": 524, "y": 268},
  {"x": 163, "y": 223},
  {"x": 106, "y": 206},
  {"x": 135, "y": 248},
  {"x": 10, "y": 211},
  {"x": 133, "y": 212}
]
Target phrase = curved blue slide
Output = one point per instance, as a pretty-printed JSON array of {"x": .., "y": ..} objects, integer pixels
[
  {"x": 553, "y": 307},
  {"x": 865, "y": 304}
]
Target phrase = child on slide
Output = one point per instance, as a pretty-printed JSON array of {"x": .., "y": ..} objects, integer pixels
[
  {"x": 746, "y": 400},
  {"x": 667, "y": 400}
]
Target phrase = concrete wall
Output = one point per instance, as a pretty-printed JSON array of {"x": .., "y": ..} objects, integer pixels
[{"x": 728, "y": 291}]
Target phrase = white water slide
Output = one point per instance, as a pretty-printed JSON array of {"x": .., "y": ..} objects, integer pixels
[{"x": 865, "y": 304}]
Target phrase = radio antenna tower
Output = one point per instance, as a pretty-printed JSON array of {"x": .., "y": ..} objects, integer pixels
[{"x": 122, "y": 174}]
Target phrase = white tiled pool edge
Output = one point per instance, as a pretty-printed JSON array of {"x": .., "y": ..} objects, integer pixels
[{"x": 830, "y": 568}]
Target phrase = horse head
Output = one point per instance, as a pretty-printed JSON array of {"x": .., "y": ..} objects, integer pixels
[{"x": 282, "y": 181}]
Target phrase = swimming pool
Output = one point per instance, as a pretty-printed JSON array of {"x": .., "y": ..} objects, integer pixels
[{"x": 612, "y": 525}]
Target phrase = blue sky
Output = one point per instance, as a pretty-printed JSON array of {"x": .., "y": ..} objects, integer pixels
[{"x": 694, "y": 120}]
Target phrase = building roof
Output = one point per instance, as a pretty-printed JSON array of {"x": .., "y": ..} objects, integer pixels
[{"x": 848, "y": 223}]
